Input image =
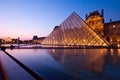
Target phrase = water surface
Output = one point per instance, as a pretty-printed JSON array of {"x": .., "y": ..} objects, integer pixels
[{"x": 71, "y": 64}]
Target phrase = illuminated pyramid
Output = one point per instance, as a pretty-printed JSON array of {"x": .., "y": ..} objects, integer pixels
[{"x": 74, "y": 32}]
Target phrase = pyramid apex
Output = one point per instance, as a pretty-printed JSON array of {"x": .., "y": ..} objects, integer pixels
[{"x": 74, "y": 12}]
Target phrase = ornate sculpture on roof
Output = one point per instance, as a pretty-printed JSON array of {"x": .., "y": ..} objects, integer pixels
[
  {"x": 94, "y": 13},
  {"x": 96, "y": 21}
]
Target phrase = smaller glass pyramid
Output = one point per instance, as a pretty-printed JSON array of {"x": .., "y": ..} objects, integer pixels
[{"x": 74, "y": 32}]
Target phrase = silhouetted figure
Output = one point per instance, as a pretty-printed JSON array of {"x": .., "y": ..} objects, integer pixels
[
  {"x": 11, "y": 47},
  {"x": 3, "y": 48}
]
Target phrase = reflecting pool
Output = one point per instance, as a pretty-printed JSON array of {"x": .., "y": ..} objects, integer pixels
[{"x": 71, "y": 64}]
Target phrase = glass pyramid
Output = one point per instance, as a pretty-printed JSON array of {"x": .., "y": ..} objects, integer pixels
[{"x": 74, "y": 32}]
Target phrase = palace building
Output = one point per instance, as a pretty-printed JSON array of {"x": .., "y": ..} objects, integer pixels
[
  {"x": 112, "y": 32},
  {"x": 75, "y": 32},
  {"x": 37, "y": 40},
  {"x": 96, "y": 21},
  {"x": 109, "y": 31}
]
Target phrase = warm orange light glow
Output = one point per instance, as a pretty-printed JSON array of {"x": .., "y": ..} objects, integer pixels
[{"x": 68, "y": 34}]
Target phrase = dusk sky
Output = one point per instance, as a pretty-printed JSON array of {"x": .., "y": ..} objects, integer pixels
[{"x": 25, "y": 18}]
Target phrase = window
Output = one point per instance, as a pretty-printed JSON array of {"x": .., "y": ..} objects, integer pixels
[{"x": 114, "y": 26}]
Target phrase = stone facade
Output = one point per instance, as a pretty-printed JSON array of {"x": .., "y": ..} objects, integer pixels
[
  {"x": 96, "y": 21},
  {"x": 110, "y": 31},
  {"x": 37, "y": 40}
]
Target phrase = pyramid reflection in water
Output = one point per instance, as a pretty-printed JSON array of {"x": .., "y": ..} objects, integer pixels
[{"x": 74, "y": 32}]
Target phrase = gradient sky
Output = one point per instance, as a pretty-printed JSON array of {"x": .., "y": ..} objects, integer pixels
[{"x": 25, "y": 18}]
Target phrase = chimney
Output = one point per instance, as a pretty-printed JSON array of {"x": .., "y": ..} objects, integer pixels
[
  {"x": 86, "y": 16},
  {"x": 110, "y": 20},
  {"x": 102, "y": 13}
]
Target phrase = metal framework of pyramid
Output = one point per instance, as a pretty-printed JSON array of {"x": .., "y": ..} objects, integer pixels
[{"x": 74, "y": 32}]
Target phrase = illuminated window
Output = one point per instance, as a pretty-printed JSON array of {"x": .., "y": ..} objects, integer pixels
[{"x": 113, "y": 26}]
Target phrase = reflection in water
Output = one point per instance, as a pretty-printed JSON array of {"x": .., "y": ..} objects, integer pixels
[
  {"x": 115, "y": 58},
  {"x": 76, "y": 61},
  {"x": 112, "y": 63},
  {"x": 90, "y": 63},
  {"x": 85, "y": 64},
  {"x": 43, "y": 63},
  {"x": 110, "y": 59}
]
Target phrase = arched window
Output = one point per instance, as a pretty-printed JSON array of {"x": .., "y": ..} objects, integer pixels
[{"x": 108, "y": 39}]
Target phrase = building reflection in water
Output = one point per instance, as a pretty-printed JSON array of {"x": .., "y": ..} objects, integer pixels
[{"x": 90, "y": 63}]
